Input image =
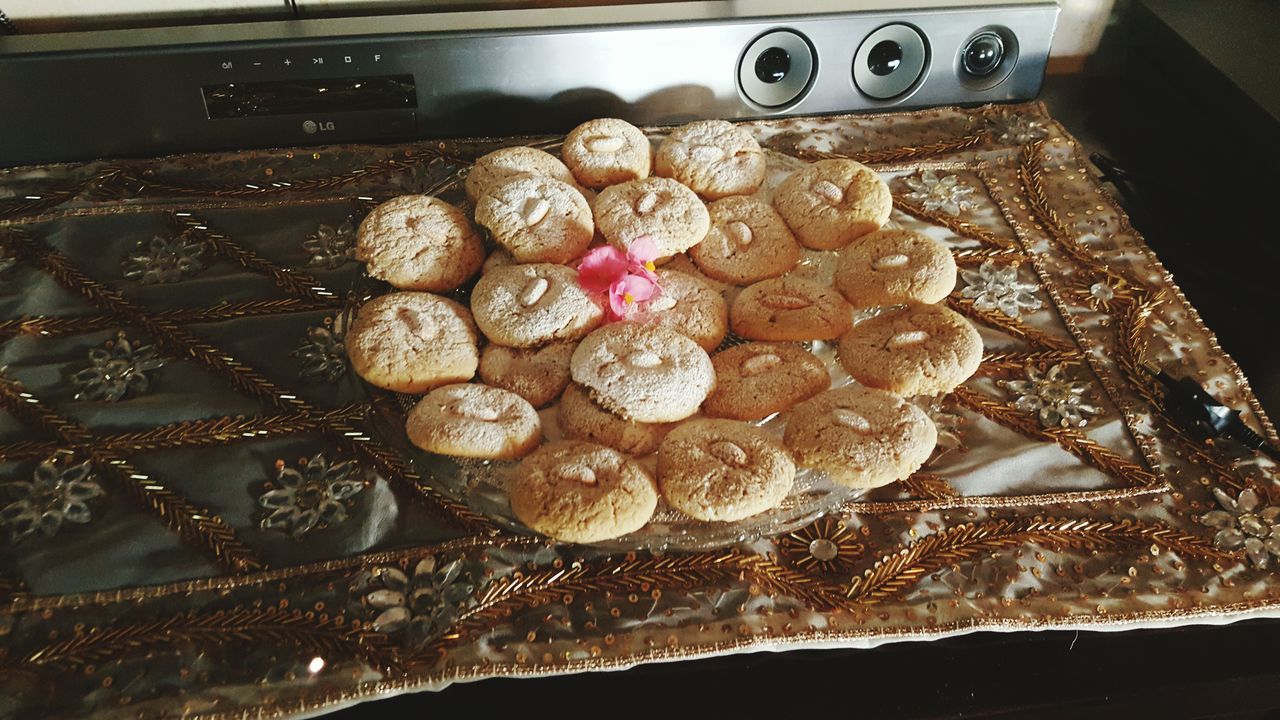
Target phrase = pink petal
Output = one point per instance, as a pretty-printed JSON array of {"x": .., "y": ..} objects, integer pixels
[
  {"x": 617, "y": 301},
  {"x": 639, "y": 287},
  {"x": 601, "y": 268},
  {"x": 642, "y": 250}
]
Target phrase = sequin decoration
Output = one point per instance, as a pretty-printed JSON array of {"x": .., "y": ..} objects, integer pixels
[
  {"x": 827, "y": 545},
  {"x": 331, "y": 247},
  {"x": 1016, "y": 129},
  {"x": 1053, "y": 397},
  {"x": 117, "y": 369},
  {"x": 323, "y": 353},
  {"x": 165, "y": 260},
  {"x": 997, "y": 287},
  {"x": 59, "y": 491},
  {"x": 1240, "y": 523},
  {"x": 421, "y": 607},
  {"x": 319, "y": 495},
  {"x": 940, "y": 194}
]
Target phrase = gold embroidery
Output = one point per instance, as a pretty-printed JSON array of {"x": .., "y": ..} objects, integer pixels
[
  {"x": 895, "y": 572},
  {"x": 193, "y": 524},
  {"x": 929, "y": 486}
]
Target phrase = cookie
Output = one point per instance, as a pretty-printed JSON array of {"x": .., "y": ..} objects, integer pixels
[
  {"x": 691, "y": 307},
  {"x": 723, "y": 470},
  {"x": 581, "y": 492},
  {"x": 789, "y": 308},
  {"x": 497, "y": 258},
  {"x": 713, "y": 158},
  {"x": 537, "y": 219},
  {"x": 580, "y": 418},
  {"x": 748, "y": 242},
  {"x": 892, "y": 267},
  {"x": 417, "y": 242},
  {"x": 756, "y": 380},
  {"x": 919, "y": 350},
  {"x": 668, "y": 212},
  {"x": 491, "y": 170},
  {"x": 831, "y": 203},
  {"x": 526, "y": 305},
  {"x": 860, "y": 437},
  {"x": 646, "y": 373},
  {"x": 475, "y": 421},
  {"x": 412, "y": 342},
  {"x": 606, "y": 151},
  {"x": 535, "y": 374},
  {"x": 682, "y": 263}
]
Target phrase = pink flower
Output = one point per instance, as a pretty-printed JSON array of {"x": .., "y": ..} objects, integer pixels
[
  {"x": 628, "y": 279},
  {"x": 628, "y": 292}
]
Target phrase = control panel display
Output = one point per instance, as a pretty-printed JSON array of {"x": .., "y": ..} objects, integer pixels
[{"x": 290, "y": 97}]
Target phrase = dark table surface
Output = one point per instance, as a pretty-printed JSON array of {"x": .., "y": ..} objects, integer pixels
[{"x": 1201, "y": 202}]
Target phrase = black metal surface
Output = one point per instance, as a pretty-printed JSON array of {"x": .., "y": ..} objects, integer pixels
[{"x": 6, "y": 25}]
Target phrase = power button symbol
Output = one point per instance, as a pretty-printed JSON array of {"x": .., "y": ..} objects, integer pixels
[{"x": 309, "y": 127}]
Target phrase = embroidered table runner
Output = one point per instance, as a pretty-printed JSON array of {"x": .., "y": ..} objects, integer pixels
[{"x": 204, "y": 511}]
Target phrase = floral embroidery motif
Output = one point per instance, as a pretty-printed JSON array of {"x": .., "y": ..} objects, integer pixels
[
  {"x": 828, "y": 546},
  {"x": 1016, "y": 129},
  {"x": 1240, "y": 523},
  {"x": 165, "y": 260},
  {"x": 318, "y": 496},
  {"x": 1101, "y": 295},
  {"x": 996, "y": 287},
  {"x": 331, "y": 247},
  {"x": 323, "y": 353},
  {"x": 945, "y": 194},
  {"x": 423, "y": 606},
  {"x": 1053, "y": 397},
  {"x": 59, "y": 491},
  {"x": 117, "y": 369}
]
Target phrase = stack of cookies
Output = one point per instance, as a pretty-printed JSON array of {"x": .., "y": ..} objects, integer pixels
[{"x": 659, "y": 404}]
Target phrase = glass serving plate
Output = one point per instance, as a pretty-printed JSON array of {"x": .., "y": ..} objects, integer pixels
[{"x": 483, "y": 485}]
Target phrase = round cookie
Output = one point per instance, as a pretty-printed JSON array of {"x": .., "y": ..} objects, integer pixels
[
  {"x": 418, "y": 242},
  {"x": 606, "y": 151},
  {"x": 860, "y": 437},
  {"x": 919, "y": 350},
  {"x": 756, "y": 380},
  {"x": 789, "y": 308},
  {"x": 714, "y": 158},
  {"x": 646, "y": 373},
  {"x": 723, "y": 470},
  {"x": 831, "y": 203},
  {"x": 495, "y": 168},
  {"x": 412, "y": 342},
  {"x": 668, "y": 212},
  {"x": 580, "y": 418},
  {"x": 525, "y": 305},
  {"x": 748, "y": 242},
  {"x": 535, "y": 374},
  {"x": 475, "y": 421},
  {"x": 537, "y": 219},
  {"x": 496, "y": 259},
  {"x": 581, "y": 492},
  {"x": 691, "y": 307},
  {"x": 891, "y": 267}
]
